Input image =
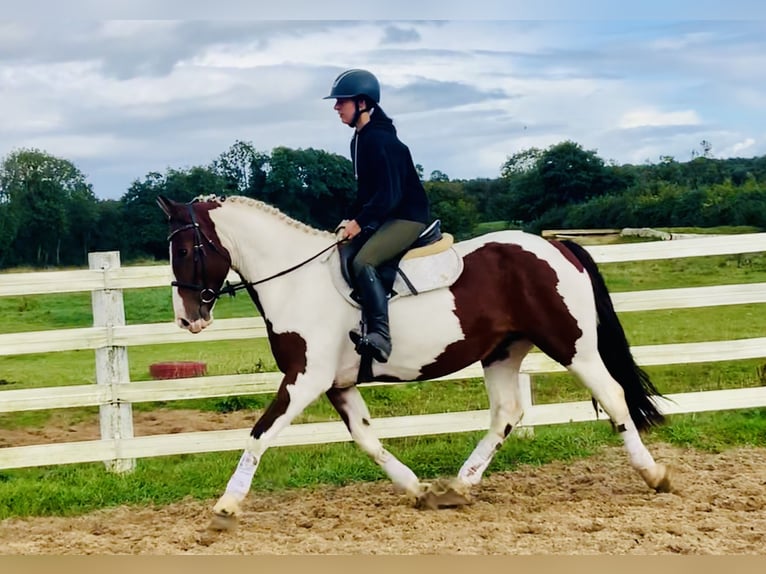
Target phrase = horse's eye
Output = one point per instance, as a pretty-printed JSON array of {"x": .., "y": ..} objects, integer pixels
[{"x": 182, "y": 252}]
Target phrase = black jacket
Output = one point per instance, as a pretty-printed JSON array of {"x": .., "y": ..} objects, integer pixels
[{"x": 388, "y": 186}]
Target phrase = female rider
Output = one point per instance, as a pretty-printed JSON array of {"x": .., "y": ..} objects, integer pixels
[{"x": 391, "y": 207}]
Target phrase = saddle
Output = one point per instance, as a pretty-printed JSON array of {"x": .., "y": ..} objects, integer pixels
[{"x": 431, "y": 262}]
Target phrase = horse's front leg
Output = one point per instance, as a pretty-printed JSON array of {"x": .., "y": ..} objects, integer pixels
[
  {"x": 353, "y": 410},
  {"x": 295, "y": 393}
]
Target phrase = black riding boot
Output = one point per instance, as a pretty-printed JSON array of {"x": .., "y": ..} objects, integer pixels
[{"x": 375, "y": 312}]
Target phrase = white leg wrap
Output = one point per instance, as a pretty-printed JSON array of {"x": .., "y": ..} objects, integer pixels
[
  {"x": 399, "y": 473},
  {"x": 473, "y": 468},
  {"x": 639, "y": 456},
  {"x": 240, "y": 481}
]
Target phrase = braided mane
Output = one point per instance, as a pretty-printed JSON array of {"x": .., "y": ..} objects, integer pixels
[{"x": 265, "y": 207}]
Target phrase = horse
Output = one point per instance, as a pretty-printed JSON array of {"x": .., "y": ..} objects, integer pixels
[{"x": 516, "y": 290}]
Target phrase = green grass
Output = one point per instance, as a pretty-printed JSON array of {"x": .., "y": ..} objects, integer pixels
[
  {"x": 685, "y": 272},
  {"x": 74, "y": 310},
  {"x": 669, "y": 379},
  {"x": 78, "y": 367},
  {"x": 74, "y": 489}
]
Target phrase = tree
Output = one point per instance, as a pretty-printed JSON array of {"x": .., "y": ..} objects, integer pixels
[
  {"x": 82, "y": 212},
  {"x": 562, "y": 175},
  {"x": 49, "y": 212},
  {"x": 668, "y": 170},
  {"x": 456, "y": 210},
  {"x": 570, "y": 174},
  {"x": 145, "y": 229},
  {"x": 142, "y": 222},
  {"x": 706, "y": 148},
  {"x": 310, "y": 185},
  {"x": 490, "y": 196},
  {"x": 521, "y": 163},
  {"x": 109, "y": 232},
  {"x": 702, "y": 171},
  {"x": 243, "y": 168},
  {"x": 437, "y": 175},
  {"x": 9, "y": 225}
]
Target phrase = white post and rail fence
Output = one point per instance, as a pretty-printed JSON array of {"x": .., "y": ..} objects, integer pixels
[{"x": 114, "y": 393}]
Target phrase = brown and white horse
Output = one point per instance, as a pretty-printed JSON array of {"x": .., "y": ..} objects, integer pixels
[{"x": 516, "y": 290}]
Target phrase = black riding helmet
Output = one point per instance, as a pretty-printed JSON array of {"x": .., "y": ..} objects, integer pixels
[
  {"x": 356, "y": 83},
  {"x": 353, "y": 83}
]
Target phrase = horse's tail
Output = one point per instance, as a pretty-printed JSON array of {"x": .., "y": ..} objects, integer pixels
[{"x": 615, "y": 351}]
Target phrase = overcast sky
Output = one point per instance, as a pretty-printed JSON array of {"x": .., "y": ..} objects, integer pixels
[{"x": 122, "y": 98}]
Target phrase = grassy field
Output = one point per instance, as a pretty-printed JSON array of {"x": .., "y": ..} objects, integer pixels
[{"x": 74, "y": 489}]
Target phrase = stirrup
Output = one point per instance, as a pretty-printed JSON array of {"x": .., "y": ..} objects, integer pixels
[
  {"x": 363, "y": 345},
  {"x": 355, "y": 335}
]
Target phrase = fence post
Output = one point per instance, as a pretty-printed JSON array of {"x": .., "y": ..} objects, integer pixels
[
  {"x": 116, "y": 418},
  {"x": 525, "y": 394}
]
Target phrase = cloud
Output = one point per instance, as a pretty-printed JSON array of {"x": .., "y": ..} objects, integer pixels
[
  {"x": 739, "y": 147},
  {"x": 398, "y": 35},
  {"x": 423, "y": 94},
  {"x": 649, "y": 117},
  {"x": 122, "y": 98}
]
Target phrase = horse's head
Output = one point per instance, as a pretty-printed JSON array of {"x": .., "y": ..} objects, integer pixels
[{"x": 198, "y": 260}]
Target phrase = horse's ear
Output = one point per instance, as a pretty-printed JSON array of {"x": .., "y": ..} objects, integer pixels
[{"x": 166, "y": 205}]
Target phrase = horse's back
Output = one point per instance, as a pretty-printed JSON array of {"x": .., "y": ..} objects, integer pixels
[{"x": 521, "y": 241}]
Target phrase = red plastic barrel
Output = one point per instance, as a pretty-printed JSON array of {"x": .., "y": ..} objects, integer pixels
[{"x": 177, "y": 369}]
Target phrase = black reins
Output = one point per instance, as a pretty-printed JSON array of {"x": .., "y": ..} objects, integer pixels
[{"x": 208, "y": 295}]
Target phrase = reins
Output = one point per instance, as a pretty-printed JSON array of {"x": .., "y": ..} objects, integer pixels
[
  {"x": 230, "y": 289},
  {"x": 208, "y": 295}
]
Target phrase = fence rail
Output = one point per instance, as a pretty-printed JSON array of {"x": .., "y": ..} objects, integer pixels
[{"x": 114, "y": 394}]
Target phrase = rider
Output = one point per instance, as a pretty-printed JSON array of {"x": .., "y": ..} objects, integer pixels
[{"x": 391, "y": 208}]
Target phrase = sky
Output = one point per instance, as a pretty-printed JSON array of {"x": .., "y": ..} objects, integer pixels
[{"x": 122, "y": 96}]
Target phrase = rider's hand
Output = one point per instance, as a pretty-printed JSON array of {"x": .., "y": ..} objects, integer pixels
[
  {"x": 351, "y": 229},
  {"x": 340, "y": 230}
]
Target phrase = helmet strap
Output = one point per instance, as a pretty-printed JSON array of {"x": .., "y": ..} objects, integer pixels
[{"x": 357, "y": 114}]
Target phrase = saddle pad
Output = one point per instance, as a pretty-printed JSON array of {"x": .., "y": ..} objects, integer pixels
[{"x": 426, "y": 273}]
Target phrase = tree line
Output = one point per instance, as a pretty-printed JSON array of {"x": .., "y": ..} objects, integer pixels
[{"x": 50, "y": 216}]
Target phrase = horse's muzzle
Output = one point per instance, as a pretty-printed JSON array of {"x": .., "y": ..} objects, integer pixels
[{"x": 193, "y": 326}]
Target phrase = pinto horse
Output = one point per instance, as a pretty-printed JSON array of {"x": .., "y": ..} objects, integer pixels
[{"x": 515, "y": 291}]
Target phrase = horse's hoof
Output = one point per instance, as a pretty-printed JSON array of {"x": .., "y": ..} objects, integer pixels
[
  {"x": 218, "y": 524},
  {"x": 227, "y": 505},
  {"x": 443, "y": 494},
  {"x": 664, "y": 484},
  {"x": 659, "y": 480},
  {"x": 222, "y": 523}
]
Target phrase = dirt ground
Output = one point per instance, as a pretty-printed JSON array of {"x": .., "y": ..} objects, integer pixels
[{"x": 593, "y": 506}]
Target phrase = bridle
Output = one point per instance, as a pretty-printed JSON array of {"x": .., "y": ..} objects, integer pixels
[{"x": 207, "y": 295}]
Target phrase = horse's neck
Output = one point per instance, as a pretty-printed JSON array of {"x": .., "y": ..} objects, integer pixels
[{"x": 262, "y": 243}]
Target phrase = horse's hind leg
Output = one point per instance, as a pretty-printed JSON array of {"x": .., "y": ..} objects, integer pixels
[
  {"x": 353, "y": 410},
  {"x": 501, "y": 378},
  {"x": 611, "y": 396}
]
